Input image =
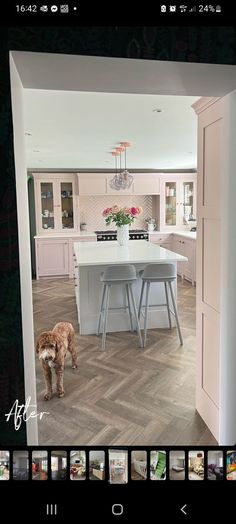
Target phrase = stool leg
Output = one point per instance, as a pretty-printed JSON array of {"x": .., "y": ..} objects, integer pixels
[
  {"x": 146, "y": 314},
  {"x": 141, "y": 300},
  {"x": 130, "y": 312},
  {"x": 168, "y": 305},
  {"x": 105, "y": 316},
  {"x": 176, "y": 314},
  {"x": 136, "y": 315},
  {"x": 101, "y": 309}
]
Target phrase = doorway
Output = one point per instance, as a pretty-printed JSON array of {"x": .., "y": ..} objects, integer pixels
[{"x": 185, "y": 79}]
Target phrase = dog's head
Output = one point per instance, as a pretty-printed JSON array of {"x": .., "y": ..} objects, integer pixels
[{"x": 48, "y": 346}]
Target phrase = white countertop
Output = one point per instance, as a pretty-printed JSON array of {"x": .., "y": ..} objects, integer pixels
[
  {"x": 84, "y": 234},
  {"x": 186, "y": 234},
  {"x": 137, "y": 252},
  {"x": 67, "y": 234}
]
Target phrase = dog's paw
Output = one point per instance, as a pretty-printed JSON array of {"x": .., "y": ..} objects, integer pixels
[
  {"x": 47, "y": 396},
  {"x": 74, "y": 366},
  {"x": 61, "y": 394}
]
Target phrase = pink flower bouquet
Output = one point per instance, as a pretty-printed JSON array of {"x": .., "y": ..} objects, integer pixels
[{"x": 121, "y": 215}]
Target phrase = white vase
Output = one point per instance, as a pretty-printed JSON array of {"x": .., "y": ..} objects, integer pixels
[{"x": 123, "y": 235}]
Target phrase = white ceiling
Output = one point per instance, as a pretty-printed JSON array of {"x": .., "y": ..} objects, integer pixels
[{"x": 77, "y": 130}]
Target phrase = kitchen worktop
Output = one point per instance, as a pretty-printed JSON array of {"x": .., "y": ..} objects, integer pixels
[
  {"x": 186, "y": 234},
  {"x": 136, "y": 252},
  {"x": 82, "y": 234}
]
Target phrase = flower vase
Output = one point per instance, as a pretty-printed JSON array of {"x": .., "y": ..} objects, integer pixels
[{"x": 123, "y": 235}]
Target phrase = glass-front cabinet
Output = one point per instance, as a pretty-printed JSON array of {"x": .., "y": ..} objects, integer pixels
[
  {"x": 55, "y": 203},
  {"x": 67, "y": 205},
  {"x": 188, "y": 211},
  {"x": 170, "y": 203},
  {"x": 47, "y": 205},
  {"x": 178, "y": 201}
]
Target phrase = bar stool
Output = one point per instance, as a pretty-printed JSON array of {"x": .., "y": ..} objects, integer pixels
[
  {"x": 118, "y": 275},
  {"x": 159, "y": 273}
]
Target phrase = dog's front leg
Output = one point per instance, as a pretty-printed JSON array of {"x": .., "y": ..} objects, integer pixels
[
  {"x": 48, "y": 380},
  {"x": 60, "y": 375}
]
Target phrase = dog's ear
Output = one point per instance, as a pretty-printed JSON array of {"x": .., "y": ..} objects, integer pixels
[{"x": 38, "y": 345}]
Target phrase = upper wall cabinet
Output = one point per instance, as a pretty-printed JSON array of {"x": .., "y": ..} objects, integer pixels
[
  {"x": 99, "y": 184},
  {"x": 92, "y": 184},
  {"x": 55, "y": 202},
  {"x": 146, "y": 184}
]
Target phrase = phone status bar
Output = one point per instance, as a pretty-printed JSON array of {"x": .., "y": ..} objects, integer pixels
[
  {"x": 74, "y": 8},
  {"x": 45, "y": 8},
  {"x": 201, "y": 8}
]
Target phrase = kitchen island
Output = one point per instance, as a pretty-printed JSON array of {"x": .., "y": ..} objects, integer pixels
[{"x": 90, "y": 260}]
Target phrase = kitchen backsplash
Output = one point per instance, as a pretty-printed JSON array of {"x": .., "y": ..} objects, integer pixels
[{"x": 91, "y": 208}]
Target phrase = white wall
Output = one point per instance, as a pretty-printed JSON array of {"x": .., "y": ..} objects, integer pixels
[
  {"x": 138, "y": 455},
  {"x": 177, "y": 458},
  {"x": 20, "y": 459},
  {"x": 24, "y": 248},
  {"x": 97, "y": 455},
  {"x": 119, "y": 455},
  {"x": 215, "y": 457}
]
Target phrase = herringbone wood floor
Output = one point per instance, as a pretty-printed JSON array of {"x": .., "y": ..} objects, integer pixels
[{"x": 124, "y": 396}]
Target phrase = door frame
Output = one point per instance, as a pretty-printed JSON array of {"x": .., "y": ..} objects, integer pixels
[{"x": 85, "y": 73}]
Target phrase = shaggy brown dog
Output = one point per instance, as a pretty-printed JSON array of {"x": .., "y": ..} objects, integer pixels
[{"x": 52, "y": 347}]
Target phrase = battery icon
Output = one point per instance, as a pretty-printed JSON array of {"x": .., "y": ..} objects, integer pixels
[{"x": 218, "y": 9}]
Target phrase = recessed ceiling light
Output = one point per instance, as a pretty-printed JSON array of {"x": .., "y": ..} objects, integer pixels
[{"x": 157, "y": 110}]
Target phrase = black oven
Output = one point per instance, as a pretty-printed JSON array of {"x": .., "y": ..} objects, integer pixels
[{"x": 134, "y": 234}]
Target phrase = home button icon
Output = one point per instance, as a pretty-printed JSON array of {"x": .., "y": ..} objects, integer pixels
[{"x": 117, "y": 509}]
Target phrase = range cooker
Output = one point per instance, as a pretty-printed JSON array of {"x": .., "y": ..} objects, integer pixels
[{"x": 134, "y": 234}]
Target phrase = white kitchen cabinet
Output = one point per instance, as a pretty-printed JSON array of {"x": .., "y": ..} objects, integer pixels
[
  {"x": 92, "y": 184},
  {"x": 146, "y": 184},
  {"x": 52, "y": 257},
  {"x": 163, "y": 240},
  {"x": 186, "y": 247},
  {"x": 177, "y": 201},
  {"x": 72, "y": 240},
  {"x": 55, "y": 202}
]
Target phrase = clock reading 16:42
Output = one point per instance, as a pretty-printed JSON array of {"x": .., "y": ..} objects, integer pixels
[{"x": 26, "y": 8}]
